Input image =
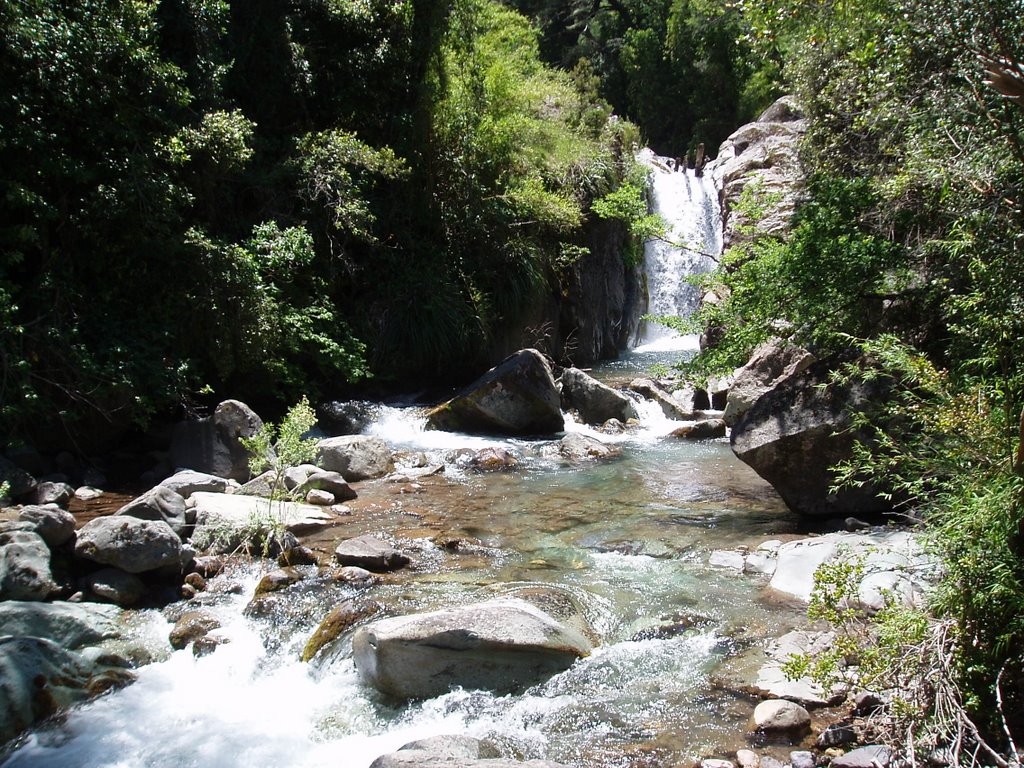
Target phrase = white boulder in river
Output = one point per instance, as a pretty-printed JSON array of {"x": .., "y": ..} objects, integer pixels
[{"x": 500, "y": 645}]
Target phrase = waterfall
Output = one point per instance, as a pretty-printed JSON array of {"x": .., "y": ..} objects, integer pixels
[{"x": 689, "y": 204}]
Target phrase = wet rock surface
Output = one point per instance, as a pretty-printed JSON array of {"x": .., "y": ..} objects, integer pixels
[
  {"x": 500, "y": 645},
  {"x": 516, "y": 397}
]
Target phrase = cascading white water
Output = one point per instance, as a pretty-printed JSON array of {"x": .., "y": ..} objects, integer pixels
[{"x": 689, "y": 204}]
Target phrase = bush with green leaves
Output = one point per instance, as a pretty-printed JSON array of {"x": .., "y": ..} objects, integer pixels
[
  {"x": 279, "y": 446},
  {"x": 948, "y": 449}
]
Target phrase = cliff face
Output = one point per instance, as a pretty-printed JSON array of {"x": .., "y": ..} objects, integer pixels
[
  {"x": 766, "y": 153},
  {"x": 595, "y": 312}
]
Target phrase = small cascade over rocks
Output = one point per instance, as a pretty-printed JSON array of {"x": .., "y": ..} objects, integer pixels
[{"x": 689, "y": 204}]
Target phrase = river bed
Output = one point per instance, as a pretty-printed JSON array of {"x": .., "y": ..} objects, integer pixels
[{"x": 628, "y": 540}]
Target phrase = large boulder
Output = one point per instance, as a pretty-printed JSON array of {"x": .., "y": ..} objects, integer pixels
[
  {"x": 213, "y": 445},
  {"x": 54, "y": 524},
  {"x": 158, "y": 503},
  {"x": 128, "y": 543},
  {"x": 501, "y": 645},
  {"x": 19, "y": 482},
  {"x": 355, "y": 457},
  {"x": 39, "y": 678},
  {"x": 52, "y": 492},
  {"x": 70, "y": 625},
  {"x": 797, "y": 432},
  {"x": 595, "y": 402},
  {"x": 24, "y": 566},
  {"x": 765, "y": 153},
  {"x": 771, "y": 364},
  {"x": 453, "y": 752},
  {"x": 516, "y": 397}
]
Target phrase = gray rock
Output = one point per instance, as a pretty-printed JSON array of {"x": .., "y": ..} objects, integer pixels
[
  {"x": 874, "y": 756},
  {"x": 715, "y": 762},
  {"x": 650, "y": 390},
  {"x": 501, "y": 645},
  {"x": 19, "y": 481},
  {"x": 158, "y": 503},
  {"x": 517, "y": 397},
  {"x": 129, "y": 543},
  {"x": 332, "y": 482},
  {"x": 801, "y": 759},
  {"x": 319, "y": 498},
  {"x": 355, "y": 576},
  {"x": 39, "y": 678},
  {"x": 453, "y": 752},
  {"x": 746, "y": 758},
  {"x": 212, "y": 445},
  {"x": 894, "y": 564},
  {"x": 24, "y": 566},
  {"x": 771, "y": 364},
  {"x": 795, "y": 433},
  {"x": 773, "y": 681},
  {"x": 185, "y": 482},
  {"x": 707, "y": 429},
  {"x": 116, "y": 586},
  {"x": 70, "y": 625},
  {"x": 263, "y": 485},
  {"x": 595, "y": 402},
  {"x": 87, "y": 493},
  {"x": 294, "y": 476},
  {"x": 781, "y": 716},
  {"x": 765, "y": 153},
  {"x": 489, "y": 459},
  {"x": 55, "y": 525},
  {"x": 371, "y": 553},
  {"x": 575, "y": 447},
  {"x": 355, "y": 457},
  {"x": 48, "y": 492}
]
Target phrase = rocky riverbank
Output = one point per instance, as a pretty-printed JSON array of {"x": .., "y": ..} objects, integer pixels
[{"x": 365, "y": 515}]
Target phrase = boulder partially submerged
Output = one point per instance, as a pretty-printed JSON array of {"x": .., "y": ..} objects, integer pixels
[
  {"x": 516, "y": 397},
  {"x": 501, "y": 645},
  {"x": 214, "y": 445},
  {"x": 595, "y": 402}
]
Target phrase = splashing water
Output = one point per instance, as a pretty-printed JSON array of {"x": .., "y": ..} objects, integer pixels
[{"x": 689, "y": 204}]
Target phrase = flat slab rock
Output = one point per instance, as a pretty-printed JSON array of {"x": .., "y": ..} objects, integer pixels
[
  {"x": 500, "y": 645},
  {"x": 893, "y": 561},
  {"x": 772, "y": 681},
  {"x": 218, "y": 509}
]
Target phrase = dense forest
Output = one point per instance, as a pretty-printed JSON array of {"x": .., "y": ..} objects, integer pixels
[{"x": 263, "y": 199}]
